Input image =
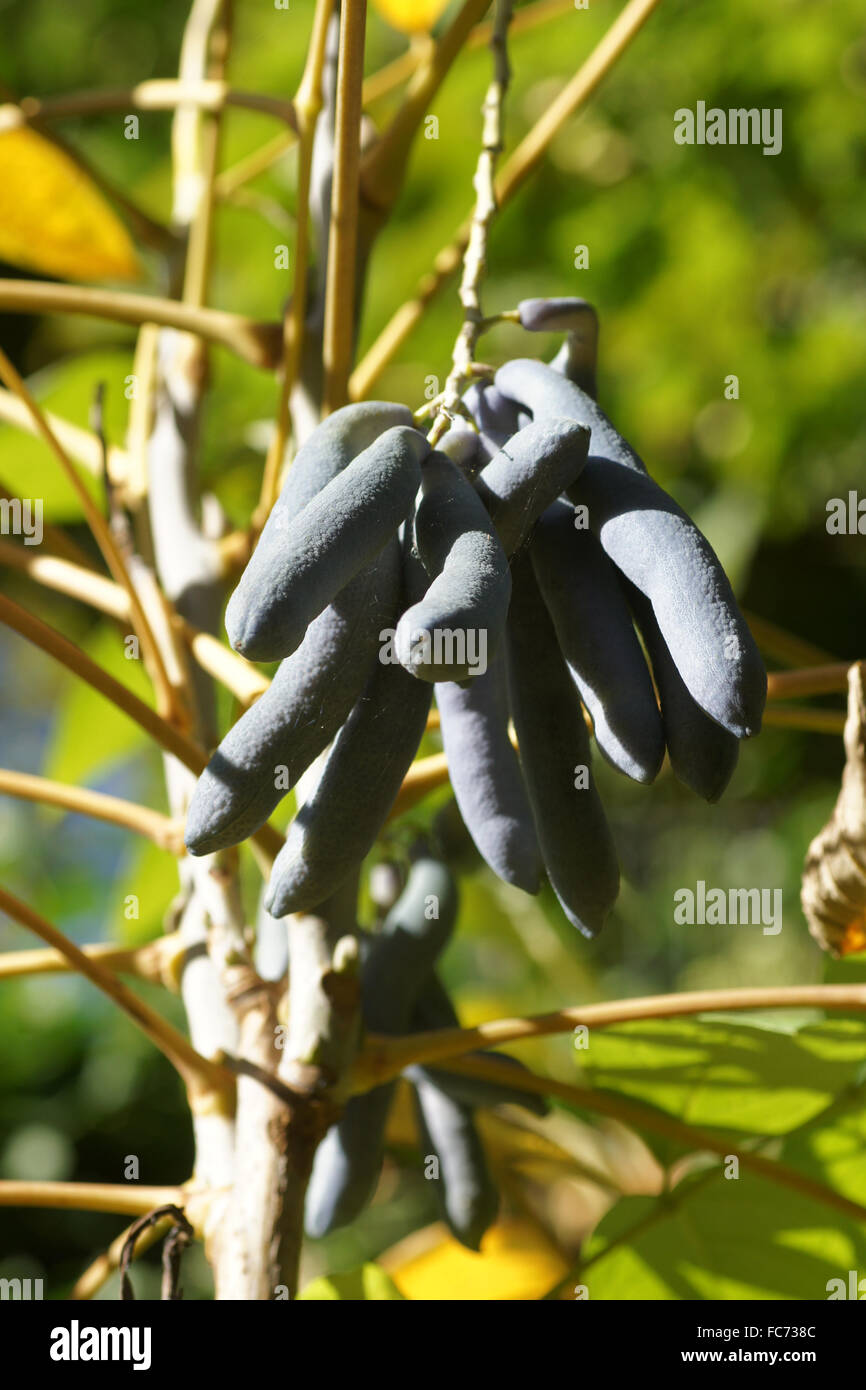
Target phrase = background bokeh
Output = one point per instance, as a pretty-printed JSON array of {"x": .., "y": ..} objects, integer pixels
[{"x": 703, "y": 262}]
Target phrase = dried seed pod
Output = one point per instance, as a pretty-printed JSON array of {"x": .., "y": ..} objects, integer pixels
[
  {"x": 545, "y": 393},
  {"x": 266, "y": 751},
  {"x": 576, "y": 843},
  {"x": 576, "y": 318},
  {"x": 337, "y": 825},
  {"x": 703, "y": 755},
  {"x": 452, "y": 632},
  {"x": 485, "y": 775},
  {"x": 467, "y": 1196},
  {"x": 595, "y": 632},
  {"x": 662, "y": 553},
  {"x": 529, "y": 472},
  {"x": 833, "y": 890},
  {"x": 303, "y": 562}
]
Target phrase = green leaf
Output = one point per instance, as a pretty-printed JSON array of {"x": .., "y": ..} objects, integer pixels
[
  {"x": 90, "y": 733},
  {"x": 28, "y": 468},
  {"x": 724, "y": 1074},
  {"x": 725, "y": 1238},
  {"x": 834, "y": 1149},
  {"x": 370, "y": 1282}
]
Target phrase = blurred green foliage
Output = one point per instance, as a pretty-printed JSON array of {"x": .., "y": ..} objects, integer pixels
[{"x": 703, "y": 262}]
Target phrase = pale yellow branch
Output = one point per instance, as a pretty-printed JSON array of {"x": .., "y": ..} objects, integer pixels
[
  {"x": 340, "y": 288},
  {"x": 159, "y": 961},
  {"x": 123, "y": 1199},
  {"x": 201, "y": 1077},
  {"x": 245, "y": 681},
  {"x": 110, "y": 551},
  {"x": 815, "y": 721},
  {"x": 80, "y": 444},
  {"x": 692, "y": 1138},
  {"x": 308, "y": 103},
  {"x": 156, "y": 94},
  {"x": 257, "y": 343},
  {"x": 166, "y": 833},
  {"x": 383, "y": 1058},
  {"x": 522, "y": 163},
  {"x": 268, "y": 840}
]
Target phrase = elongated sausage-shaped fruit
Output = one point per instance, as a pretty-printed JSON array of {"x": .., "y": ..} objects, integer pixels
[
  {"x": 433, "y": 1009},
  {"x": 485, "y": 775},
  {"x": 453, "y": 631},
  {"x": 703, "y": 755},
  {"x": 334, "y": 443},
  {"x": 414, "y": 933},
  {"x": 347, "y": 1163},
  {"x": 337, "y": 826},
  {"x": 661, "y": 551},
  {"x": 300, "y": 567},
  {"x": 266, "y": 751},
  {"x": 546, "y": 393},
  {"x": 528, "y": 474},
  {"x": 596, "y": 635},
  {"x": 576, "y": 318},
  {"x": 576, "y": 843},
  {"x": 496, "y": 416},
  {"x": 396, "y": 966},
  {"x": 465, "y": 1191}
]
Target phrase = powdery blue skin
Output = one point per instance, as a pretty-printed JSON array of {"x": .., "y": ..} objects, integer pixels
[
  {"x": 471, "y": 582},
  {"x": 465, "y": 1191},
  {"x": 336, "y": 828},
  {"x": 486, "y": 778},
  {"x": 575, "y": 840},
  {"x": 396, "y": 965},
  {"x": 597, "y": 638},
  {"x": 546, "y": 393},
  {"x": 433, "y": 1010},
  {"x": 304, "y": 561},
  {"x": 703, "y": 755},
  {"x": 496, "y": 416},
  {"x": 661, "y": 551},
  {"x": 308, "y": 700},
  {"x": 334, "y": 443},
  {"x": 576, "y": 318},
  {"x": 528, "y": 474}
]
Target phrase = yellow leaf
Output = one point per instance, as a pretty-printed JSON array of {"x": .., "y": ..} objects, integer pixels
[
  {"x": 52, "y": 217},
  {"x": 411, "y": 16},
  {"x": 516, "y": 1263}
]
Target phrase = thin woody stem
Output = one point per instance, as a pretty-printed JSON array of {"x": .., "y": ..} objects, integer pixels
[
  {"x": 525, "y": 159},
  {"x": 123, "y": 1199},
  {"x": 201, "y": 1076},
  {"x": 308, "y": 104},
  {"x": 111, "y": 552},
  {"x": 256, "y": 343},
  {"x": 340, "y": 291},
  {"x": 156, "y": 94},
  {"x": 166, "y": 833},
  {"x": 383, "y": 1058},
  {"x": 245, "y": 681},
  {"x": 475, "y": 260},
  {"x": 644, "y": 1117},
  {"x": 158, "y": 961}
]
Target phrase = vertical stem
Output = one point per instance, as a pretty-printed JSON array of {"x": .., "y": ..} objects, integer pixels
[
  {"x": 308, "y": 104},
  {"x": 340, "y": 289}
]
